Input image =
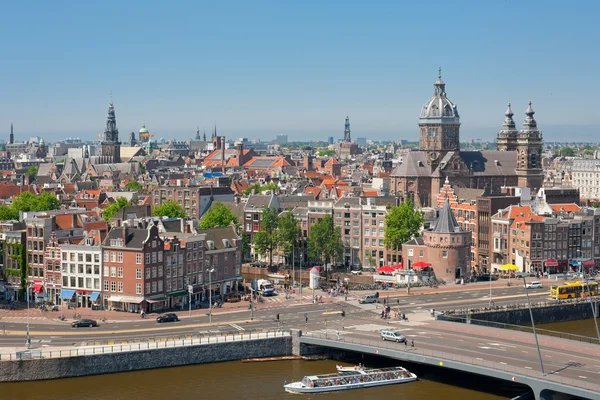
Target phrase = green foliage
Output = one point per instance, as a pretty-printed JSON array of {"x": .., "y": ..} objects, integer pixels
[
  {"x": 142, "y": 168},
  {"x": 170, "y": 209},
  {"x": 289, "y": 232},
  {"x": 267, "y": 239},
  {"x": 134, "y": 186},
  {"x": 8, "y": 213},
  {"x": 567, "y": 151},
  {"x": 20, "y": 255},
  {"x": 401, "y": 224},
  {"x": 114, "y": 208},
  {"x": 218, "y": 215},
  {"x": 27, "y": 201},
  {"x": 325, "y": 241},
  {"x": 32, "y": 171},
  {"x": 326, "y": 152},
  {"x": 245, "y": 245},
  {"x": 258, "y": 188}
]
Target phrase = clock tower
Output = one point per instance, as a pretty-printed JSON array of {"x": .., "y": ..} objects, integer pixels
[
  {"x": 439, "y": 125},
  {"x": 111, "y": 147}
]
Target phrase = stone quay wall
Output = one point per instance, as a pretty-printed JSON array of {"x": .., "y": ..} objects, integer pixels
[{"x": 68, "y": 367}]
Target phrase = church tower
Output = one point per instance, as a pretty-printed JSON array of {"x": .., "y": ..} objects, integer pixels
[
  {"x": 111, "y": 147},
  {"x": 347, "y": 138},
  {"x": 529, "y": 150},
  {"x": 439, "y": 125},
  {"x": 507, "y": 137}
]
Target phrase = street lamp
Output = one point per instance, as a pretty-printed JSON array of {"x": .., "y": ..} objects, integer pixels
[
  {"x": 537, "y": 345},
  {"x": 28, "y": 338},
  {"x": 210, "y": 272}
]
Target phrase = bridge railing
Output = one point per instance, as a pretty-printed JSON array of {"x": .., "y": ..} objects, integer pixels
[
  {"x": 522, "y": 328},
  {"x": 150, "y": 344},
  {"x": 439, "y": 357}
]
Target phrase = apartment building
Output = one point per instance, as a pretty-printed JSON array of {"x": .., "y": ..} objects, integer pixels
[
  {"x": 347, "y": 216},
  {"x": 253, "y": 215},
  {"x": 12, "y": 236},
  {"x": 194, "y": 199}
]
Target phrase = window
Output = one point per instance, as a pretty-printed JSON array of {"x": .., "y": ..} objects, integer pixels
[
  {"x": 147, "y": 258},
  {"x": 410, "y": 252},
  {"x": 113, "y": 272},
  {"x": 138, "y": 273},
  {"x": 154, "y": 272},
  {"x": 160, "y": 271},
  {"x": 148, "y": 272},
  {"x": 160, "y": 286},
  {"x": 138, "y": 258},
  {"x": 121, "y": 287},
  {"x": 153, "y": 287},
  {"x": 106, "y": 272},
  {"x": 160, "y": 256},
  {"x": 113, "y": 256},
  {"x": 105, "y": 256},
  {"x": 113, "y": 286},
  {"x": 106, "y": 286},
  {"x": 444, "y": 253},
  {"x": 153, "y": 257},
  {"x": 120, "y": 272},
  {"x": 120, "y": 257},
  {"x": 147, "y": 288},
  {"x": 421, "y": 253},
  {"x": 381, "y": 222},
  {"x": 138, "y": 288}
]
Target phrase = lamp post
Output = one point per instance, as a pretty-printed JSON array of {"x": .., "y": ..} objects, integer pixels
[
  {"x": 210, "y": 272},
  {"x": 490, "y": 272},
  {"x": 537, "y": 345},
  {"x": 28, "y": 338}
]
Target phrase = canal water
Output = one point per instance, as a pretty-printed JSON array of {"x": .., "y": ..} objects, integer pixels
[{"x": 239, "y": 381}]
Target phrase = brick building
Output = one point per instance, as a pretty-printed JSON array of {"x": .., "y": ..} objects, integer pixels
[{"x": 194, "y": 199}]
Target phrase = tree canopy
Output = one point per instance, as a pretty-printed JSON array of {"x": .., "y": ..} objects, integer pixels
[
  {"x": 401, "y": 224},
  {"x": 326, "y": 152},
  {"x": 218, "y": 215},
  {"x": 8, "y": 213},
  {"x": 28, "y": 201},
  {"x": 266, "y": 240},
  {"x": 567, "y": 151},
  {"x": 170, "y": 209},
  {"x": 134, "y": 186},
  {"x": 32, "y": 171},
  {"x": 325, "y": 241},
  {"x": 289, "y": 232},
  {"x": 258, "y": 188},
  {"x": 114, "y": 208}
]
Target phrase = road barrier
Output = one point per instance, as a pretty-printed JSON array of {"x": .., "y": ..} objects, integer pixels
[{"x": 169, "y": 342}]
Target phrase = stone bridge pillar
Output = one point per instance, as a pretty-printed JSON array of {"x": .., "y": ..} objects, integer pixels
[{"x": 296, "y": 347}]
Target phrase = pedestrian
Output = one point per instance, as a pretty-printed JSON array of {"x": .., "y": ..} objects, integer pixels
[
  {"x": 405, "y": 344},
  {"x": 338, "y": 335},
  {"x": 412, "y": 343},
  {"x": 346, "y": 297}
]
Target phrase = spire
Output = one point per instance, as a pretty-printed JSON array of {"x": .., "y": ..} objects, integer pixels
[
  {"x": 204, "y": 137},
  {"x": 347, "y": 130},
  {"x": 111, "y": 133},
  {"x": 11, "y": 138},
  {"x": 446, "y": 222},
  {"x": 508, "y": 127},
  {"x": 439, "y": 73},
  {"x": 439, "y": 87},
  {"x": 529, "y": 125},
  {"x": 197, "y": 133}
]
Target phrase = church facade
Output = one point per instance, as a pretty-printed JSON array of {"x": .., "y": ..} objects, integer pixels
[{"x": 421, "y": 174}]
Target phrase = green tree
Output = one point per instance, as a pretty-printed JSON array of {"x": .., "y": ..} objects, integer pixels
[
  {"x": 114, "y": 208},
  {"x": 134, "y": 186},
  {"x": 325, "y": 242},
  {"x": 567, "y": 151},
  {"x": 289, "y": 232},
  {"x": 401, "y": 224},
  {"x": 170, "y": 209},
  {"x": 326, "y": 153},
  {"x": 32, "y": 172},
  {"x": 8, "y": 213},
  {"x": 28, "y": 201},
  {"x": 266, "y": 240},
  {"x": 218, "y": 215}
]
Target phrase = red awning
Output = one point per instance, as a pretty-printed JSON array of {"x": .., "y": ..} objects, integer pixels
[
  {"x": 37, "y": 288},
  {"x": 588, "y": 263},
  {"x": 386, "y": 268},
  {"x": 551, "y": 263},
  {"x": 421, "y": 264}
]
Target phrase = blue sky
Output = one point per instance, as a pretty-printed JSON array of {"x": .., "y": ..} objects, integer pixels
[{"x": 258, "y": 68}]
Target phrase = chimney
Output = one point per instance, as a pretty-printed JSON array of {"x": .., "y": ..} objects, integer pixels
[
  {"x": 182, "y": 224},
  {"x": 240, "y": 153},
  {"x": 125, "y": 232},
  {"x": 223, "y": 152},
  {"x": 74, "y": 220}
]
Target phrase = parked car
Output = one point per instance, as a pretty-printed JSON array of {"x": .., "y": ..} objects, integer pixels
[
  {"x": 533, "y": 285},
  {"x": 368, "y": 298},
  {"x": 167, "y": 318},
  {"x": 84, "y": 323},
  {"x": 356, "y": 272},
  {"x": 393, "y": 336}
]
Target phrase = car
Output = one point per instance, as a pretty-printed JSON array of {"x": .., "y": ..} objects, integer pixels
[
  {"x": 167, "y": 318},
  {"x": 533, "y": 285},
  {"x": 356, "y": 272},
  {"x": 393, "y": 336},
  {"x": 368, "y": 298},
  {"x": 84, "y": 323}
]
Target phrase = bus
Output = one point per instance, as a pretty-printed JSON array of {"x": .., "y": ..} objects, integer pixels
[{"x": 572, "y": 290}]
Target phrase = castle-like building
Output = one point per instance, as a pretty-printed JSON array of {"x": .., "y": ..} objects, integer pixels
[{"x": 421, "y": 174}]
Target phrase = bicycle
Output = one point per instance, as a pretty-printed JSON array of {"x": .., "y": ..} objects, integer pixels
[{"x": 76, "y": 316}]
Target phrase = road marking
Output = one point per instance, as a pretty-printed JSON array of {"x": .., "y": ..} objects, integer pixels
[
  {"x": 480, "y": 359},
  {"x": 484, "y": 347},
  {"x": 503, "y": 363},
  {"x": 528, "y": 368},
  {"x": 460, "y": 340},
  {"x": 581, "y": 376},
  {"x": 524, "y": 351},
  {"x": 236, "y": 326}
]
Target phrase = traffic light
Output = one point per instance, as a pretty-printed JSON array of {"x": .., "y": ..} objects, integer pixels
[
  {"x": 277, "y": 317},
  {"x": 343, "y": 313}
]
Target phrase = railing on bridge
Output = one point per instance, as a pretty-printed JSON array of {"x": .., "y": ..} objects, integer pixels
[
  {"x": 158, "y": 343},
  {"x": 439, "y": 357},
  {"x": 522, "y": 328}
]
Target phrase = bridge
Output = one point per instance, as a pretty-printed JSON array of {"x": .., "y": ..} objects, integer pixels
[{"x": 572, "y": 369}]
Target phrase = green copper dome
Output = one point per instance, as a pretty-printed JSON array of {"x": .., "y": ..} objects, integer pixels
[{"x": 143, "y": 129}]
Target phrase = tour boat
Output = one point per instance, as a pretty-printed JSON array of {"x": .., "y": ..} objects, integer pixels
[{"x": 350, "y": 378}]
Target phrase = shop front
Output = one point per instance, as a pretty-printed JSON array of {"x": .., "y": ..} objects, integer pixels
[
  {"x": 124, "y": 303},
  {"x": 83, "y": 298},
  {"x": 37, "y": 291},
  {"x": 551, "y": 267},
  {"x": 178, "y": 299},
  {"x": 156, "y": 303}
]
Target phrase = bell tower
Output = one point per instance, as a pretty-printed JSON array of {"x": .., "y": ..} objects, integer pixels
[
  {"x": 439, "y": 125},
  {"x": 111, "y": 147},
  {"x": 507, "y": 137},
  {"x": 529, "y": 151}
]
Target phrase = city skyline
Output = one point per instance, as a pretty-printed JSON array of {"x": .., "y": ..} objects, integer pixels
[{"x": 265, "y": 69}]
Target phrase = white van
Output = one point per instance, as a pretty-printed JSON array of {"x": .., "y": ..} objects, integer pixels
[{"x": 393, "y": 336}]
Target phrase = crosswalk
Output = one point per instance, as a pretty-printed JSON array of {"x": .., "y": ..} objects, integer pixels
[{"x": 282, "y": 300}]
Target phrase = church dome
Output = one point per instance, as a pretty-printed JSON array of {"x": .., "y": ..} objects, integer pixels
[
  {"x": 143, "y": 129},
  {"x": 439, "y": 106}
]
